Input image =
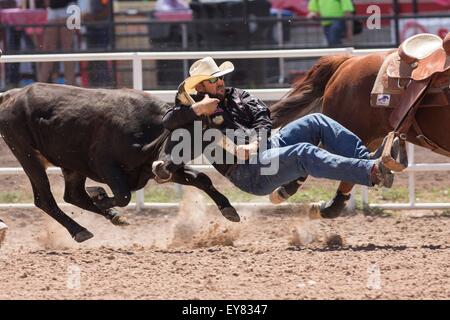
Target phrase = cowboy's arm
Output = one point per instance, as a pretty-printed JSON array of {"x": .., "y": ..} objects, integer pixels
[
  {"x": 180, "y": 115},
  {"x": 261, "y": 122},
  {"x": 260, "y": 114}
]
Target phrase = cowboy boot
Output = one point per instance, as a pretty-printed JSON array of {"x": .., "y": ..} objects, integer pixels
[
  {"x": 333, "y": 208},
  {"x": 382, "y": 176},
  {"x": 286, "y": 191}
]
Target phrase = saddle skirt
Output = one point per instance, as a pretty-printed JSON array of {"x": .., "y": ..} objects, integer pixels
[{"x": 395, "y": 75}]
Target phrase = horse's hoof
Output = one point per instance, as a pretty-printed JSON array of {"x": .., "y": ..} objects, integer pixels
[
  {"x": 231, "y": 214},
  {"x": 83, "y": 236}
]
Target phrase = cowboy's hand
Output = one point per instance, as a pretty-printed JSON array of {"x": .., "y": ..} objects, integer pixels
[
  {"x": 244, "y": 151},
  {"x": 205, "y": 107}
]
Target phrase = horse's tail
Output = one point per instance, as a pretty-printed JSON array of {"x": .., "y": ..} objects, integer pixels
[{"x": 306, "y": 95}]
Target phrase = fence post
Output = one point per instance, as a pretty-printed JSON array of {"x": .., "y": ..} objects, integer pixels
[
  {"x": 138, "y": 85},
  {"x": 365, "y": 197},
  {"x": 352, "y": 202},
  {"x": 280, "y": 41},
  {"x": 184, "y": 42},
  {"x": 411, "y": 176}
]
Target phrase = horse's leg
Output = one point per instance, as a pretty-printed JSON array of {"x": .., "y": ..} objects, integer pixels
[
  {"x": 43, "y": 197},
  {"x": 191, "y": 177},
  {"x": 75, "y": 194}
]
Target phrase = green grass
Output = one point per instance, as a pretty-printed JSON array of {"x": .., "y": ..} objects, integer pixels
[
  {"x": 15, "y": 197},
  {"x": 313, "y": 194},
  {"x": 310, "y": 193},
  {"x": 400, "y": 194},
  {"x": 305, "y": 195}
]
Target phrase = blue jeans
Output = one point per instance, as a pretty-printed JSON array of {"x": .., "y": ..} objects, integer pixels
[
  {"x": 335, "y": 32},
  {"x": 295, "y": 147}
]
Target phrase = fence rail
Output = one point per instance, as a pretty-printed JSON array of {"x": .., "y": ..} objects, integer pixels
[{"x": 265, "y": 94}]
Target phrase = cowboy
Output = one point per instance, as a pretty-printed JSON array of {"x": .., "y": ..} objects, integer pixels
[{"x": 295, "y": 147}]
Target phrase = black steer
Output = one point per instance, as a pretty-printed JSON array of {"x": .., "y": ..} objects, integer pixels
[{"x": 109, "y": 136}]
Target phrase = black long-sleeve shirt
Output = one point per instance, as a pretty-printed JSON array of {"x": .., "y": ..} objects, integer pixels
[{"x": 239, "y": 109}]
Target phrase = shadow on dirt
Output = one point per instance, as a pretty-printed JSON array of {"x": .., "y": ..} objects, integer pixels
[{"x": 369, "y": 247}]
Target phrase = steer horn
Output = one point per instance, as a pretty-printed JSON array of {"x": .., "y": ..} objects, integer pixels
[{"x": 446, "y": 44}]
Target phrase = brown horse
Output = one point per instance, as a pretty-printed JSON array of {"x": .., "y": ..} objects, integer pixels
[{"x": 340, "y": 87}]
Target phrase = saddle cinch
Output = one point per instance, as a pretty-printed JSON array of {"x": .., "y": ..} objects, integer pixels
[{"x": 414, "y": 76}]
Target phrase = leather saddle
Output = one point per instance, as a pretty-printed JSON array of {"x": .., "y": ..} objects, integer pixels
[
  {"x": 414, "y": 76},
  {"x": 418, "y": 72}
]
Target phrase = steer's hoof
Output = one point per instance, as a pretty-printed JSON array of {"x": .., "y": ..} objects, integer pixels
[
  {"x": 83, "y": 236},
  {"x": 120, "y": 220},
  {"x": 3, "y": 229},
  {"x": 117, "y": 218},
  {"x": 231, "y": 214},
  {"x": 97, "y": 193}
]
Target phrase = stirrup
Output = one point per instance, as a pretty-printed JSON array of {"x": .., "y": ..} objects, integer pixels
[{"x": 394, "y": 156}]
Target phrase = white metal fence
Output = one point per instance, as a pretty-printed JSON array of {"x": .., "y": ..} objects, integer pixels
[{"x": 265, "y": 94}]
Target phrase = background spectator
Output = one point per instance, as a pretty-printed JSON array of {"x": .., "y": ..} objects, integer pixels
[
  {"x": 170, "y": 5},
  {"x": 98, "y": 38},
  {"x": 337, "y": 28},
  {"x": 56, "y": 39}
]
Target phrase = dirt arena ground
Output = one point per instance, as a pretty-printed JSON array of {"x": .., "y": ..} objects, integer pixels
[{"x": 194, "y": 253}]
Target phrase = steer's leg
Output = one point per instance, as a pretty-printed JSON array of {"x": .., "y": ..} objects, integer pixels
[
  {"x": 43, "y": 197},
  {"x": 115, "y": 178},
  {"x": 189, "y": 176},
  {"x": 76, "y": 194}
]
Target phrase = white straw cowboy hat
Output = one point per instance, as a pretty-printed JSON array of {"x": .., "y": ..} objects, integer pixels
[{"x": 205, "y": 69}]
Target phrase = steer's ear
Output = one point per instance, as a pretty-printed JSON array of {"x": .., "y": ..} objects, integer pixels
[{"x": 1, "y": 52}]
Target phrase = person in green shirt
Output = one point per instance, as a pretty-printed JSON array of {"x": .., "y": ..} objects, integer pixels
[{"x": 337, "y": 28}]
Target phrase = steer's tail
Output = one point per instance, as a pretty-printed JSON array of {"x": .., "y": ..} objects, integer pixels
[{"x": 306, "y": 94}]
